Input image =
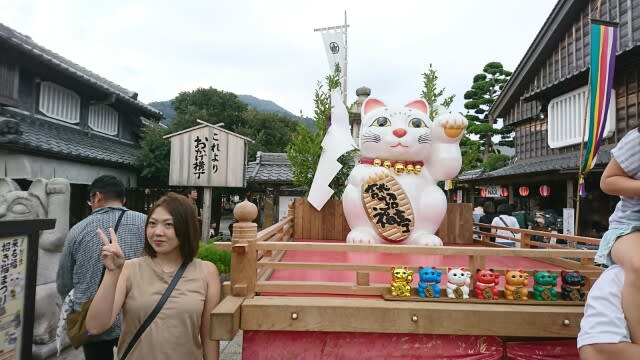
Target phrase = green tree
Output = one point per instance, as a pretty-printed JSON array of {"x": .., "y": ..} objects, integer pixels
[
  {"x": 305, "y": 148},
  {"x": 483, "y": 93},
  {"x": 270, "y": 131},
  {"x": 210, "y": 105},
  {"x": 153, "y": 156},
  {"x": 431, "y": 94}
]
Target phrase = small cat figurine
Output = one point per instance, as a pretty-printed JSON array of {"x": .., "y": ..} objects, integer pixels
[
  {"x": 516, "y": 285},
  {"x": 458, "y": 280},
  {"x": 544, "y": 286},
  {"x": 572, "y": 285},
  {"x": 429, "y": 282},
  {"x": 401, "y": 278},
  {"x": 486, "y": 286},
  {"x": 392, "y": 194}
]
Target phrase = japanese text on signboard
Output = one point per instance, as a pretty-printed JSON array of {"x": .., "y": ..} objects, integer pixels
[{"x": 200, "y": 146}]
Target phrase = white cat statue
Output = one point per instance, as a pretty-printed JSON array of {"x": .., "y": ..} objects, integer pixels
[
  {"x": 458, "y": 281},
  {"x": 392, "y": 195}
]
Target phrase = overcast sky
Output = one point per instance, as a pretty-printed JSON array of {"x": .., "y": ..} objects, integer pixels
[{"x": 268, "y": 49}]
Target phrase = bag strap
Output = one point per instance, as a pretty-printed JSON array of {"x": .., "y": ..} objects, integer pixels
[
  {"x": 115, "y": 230},
  {"x": 155, "y": 310},
  {"x": 505, "y": 224}
]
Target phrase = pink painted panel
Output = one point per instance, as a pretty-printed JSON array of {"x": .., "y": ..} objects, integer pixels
[{"x": 292, "y": 345}]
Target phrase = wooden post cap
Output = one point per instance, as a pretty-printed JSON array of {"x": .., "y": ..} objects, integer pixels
[{"x": 245, "y": 211}]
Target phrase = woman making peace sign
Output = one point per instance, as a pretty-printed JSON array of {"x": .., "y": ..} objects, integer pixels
[{"x": 181, "y": 328}]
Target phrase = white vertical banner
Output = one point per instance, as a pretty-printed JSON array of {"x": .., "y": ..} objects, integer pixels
[
  {"x": 334, "y": 46},
  {"x": 568, "y": 224}
]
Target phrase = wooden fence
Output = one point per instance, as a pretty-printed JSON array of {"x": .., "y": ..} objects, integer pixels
[
  {"x": 256, "y": 255},
  {"x": 330, "y": 223}
]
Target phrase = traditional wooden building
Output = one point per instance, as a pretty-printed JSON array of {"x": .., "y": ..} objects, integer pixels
[
  {"x": 545, "y": 102},
  {"x": 270, "y": 181},
  {"x": 58, "y": 119}
]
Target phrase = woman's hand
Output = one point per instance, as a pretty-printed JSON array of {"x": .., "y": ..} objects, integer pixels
[{"x": 112, "y": 255}]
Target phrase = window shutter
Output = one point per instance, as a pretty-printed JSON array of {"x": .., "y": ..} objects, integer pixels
[{"x": 9, "y": 84}]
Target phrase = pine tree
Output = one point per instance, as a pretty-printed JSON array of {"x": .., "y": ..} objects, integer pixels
[{"x": 483, "y": 93}]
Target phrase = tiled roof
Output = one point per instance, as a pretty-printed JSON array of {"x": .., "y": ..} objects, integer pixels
[
  {"x": 568, "y": 161},
  {"x": 270, "y": 168},
  {"x": 38, "y": 135},
  {"x": 26, "y": 44}
]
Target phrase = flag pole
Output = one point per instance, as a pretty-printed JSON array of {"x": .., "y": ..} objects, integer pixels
[
  {"x": 581, "y": 155},
  {"x": 346, "y": 58}
]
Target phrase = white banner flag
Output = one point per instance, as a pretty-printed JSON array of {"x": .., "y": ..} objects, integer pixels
[{"x": 335, "y": 49}]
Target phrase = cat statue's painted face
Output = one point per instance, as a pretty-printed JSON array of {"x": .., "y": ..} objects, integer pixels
[{"x": 395, "y": 133}]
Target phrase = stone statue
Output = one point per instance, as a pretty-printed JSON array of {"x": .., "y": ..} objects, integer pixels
[{"x": 44, "y": 199}]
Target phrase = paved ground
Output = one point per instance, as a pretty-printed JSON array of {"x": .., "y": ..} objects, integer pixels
[{"x": 229, "y": 350}]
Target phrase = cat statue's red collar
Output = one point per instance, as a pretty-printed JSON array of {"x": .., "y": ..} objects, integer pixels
[{"x": 399, "y": 166}]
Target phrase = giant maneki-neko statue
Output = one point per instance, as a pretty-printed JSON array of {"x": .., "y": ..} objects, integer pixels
[{"x": 392, "y": 196}]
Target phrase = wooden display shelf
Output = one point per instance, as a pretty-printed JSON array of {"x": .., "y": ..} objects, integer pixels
[{"x": 473, "y": 300}]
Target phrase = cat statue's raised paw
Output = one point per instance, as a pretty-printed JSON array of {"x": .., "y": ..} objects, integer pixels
[{"x": 392, "y": 195}]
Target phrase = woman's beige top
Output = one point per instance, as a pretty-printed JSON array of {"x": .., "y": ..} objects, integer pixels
[{"x": 175, "y": 332}]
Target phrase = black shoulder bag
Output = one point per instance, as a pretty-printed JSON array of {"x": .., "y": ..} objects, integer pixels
[
  {"x": 155, "y": 311},
  {"x": 505, "y": 224}
]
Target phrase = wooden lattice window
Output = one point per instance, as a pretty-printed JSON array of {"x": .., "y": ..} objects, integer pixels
[
  {"x": 104, "y": 119},
  {"x": 59, "y": 103}
]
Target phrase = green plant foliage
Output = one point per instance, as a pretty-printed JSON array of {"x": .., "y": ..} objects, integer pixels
[
  {"x": 221, "y": 258},
  {"x": 431, "y": 94},
  {"x": 484, "y": 91},
  {"x": 271, "y": 132},
  {"x": 153, "y": 156},
  {"x": 496, "y": 161},
  {"x": 305, "y": 147}
]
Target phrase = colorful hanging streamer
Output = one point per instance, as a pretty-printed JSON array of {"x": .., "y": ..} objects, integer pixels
[{"x": 604, "y": 36}]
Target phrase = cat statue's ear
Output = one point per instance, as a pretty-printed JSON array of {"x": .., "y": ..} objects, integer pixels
[
  {"x": 419, "y": 105},
  {"x": 371, "y": 104}
]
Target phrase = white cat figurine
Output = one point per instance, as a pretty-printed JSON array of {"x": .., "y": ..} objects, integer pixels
[
  {"x": 403, "y": 146},
  {"x": 458, "y": 281}
]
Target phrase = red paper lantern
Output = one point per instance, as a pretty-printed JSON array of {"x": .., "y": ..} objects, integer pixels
[
  {"x": 504, "y": 192},
  {"x": 483, "y": 192},
  {"x": 523, "y": 190},
  {"x": 545, "y": 190}
]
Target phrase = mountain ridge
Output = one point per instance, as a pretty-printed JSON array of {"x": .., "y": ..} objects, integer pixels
[{"x": 252, "y": 102}]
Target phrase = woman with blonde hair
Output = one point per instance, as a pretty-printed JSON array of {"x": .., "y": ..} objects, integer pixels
[{"x": 180, "y": 329}]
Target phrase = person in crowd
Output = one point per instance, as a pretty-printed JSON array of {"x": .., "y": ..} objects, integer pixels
[
  {"x": 487, "y": 218},
  {"x": 181, "y": 328},
  {"x": 621, "y": 243},
  {"x": 192, "y": 195},
  {"x": 80, "y": 267},
  {"x": 604, "y": 333},
  {"x": 520, "y": 215},
  {"x": 505, "y": 219}
]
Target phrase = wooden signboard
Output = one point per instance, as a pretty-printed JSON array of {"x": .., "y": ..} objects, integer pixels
[
  {"x": 18, "y": 272},
  {"x": 207, "y": 156}
]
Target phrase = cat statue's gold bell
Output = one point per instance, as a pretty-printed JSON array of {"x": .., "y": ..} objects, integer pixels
[
  {"x": 377, "y": 162},
  {"x": 410, "y": 169},
  {"x": 399, "y": 168},
  {"x": 387, "y": 164},
  {"x": 417, "y": 169}
]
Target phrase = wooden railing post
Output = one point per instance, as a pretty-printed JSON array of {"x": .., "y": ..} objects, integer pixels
[
  {"x": 525, "y": 240},
  {"x": 243, "y": 251},
  {"x": 475, "y": 262}
]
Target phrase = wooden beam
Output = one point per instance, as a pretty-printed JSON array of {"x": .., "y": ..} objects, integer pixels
[
  {"x": 320, "y": 287},
  {"x": 225, "y": 319},
  {"x": 412, "y": 249},
  {"x": 372, "y": 315}
]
